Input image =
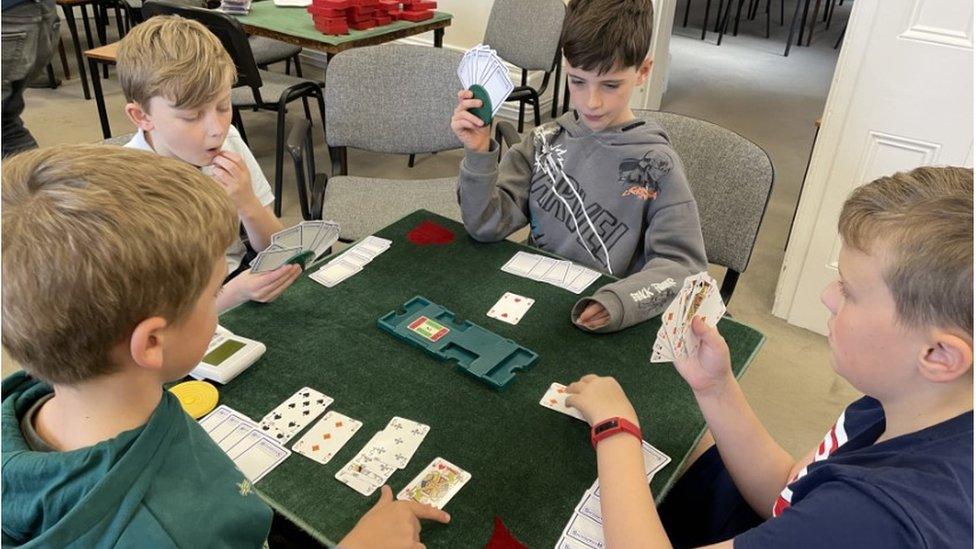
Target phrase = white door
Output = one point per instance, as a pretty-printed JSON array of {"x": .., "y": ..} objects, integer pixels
[
  {"x": 901, "y": 97},
  {"x": 649, "y": 95}
]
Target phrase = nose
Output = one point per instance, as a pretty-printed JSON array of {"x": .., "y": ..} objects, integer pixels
[
  {"x": 830, "y": 296},
  {"x": 593, "y": 101}
]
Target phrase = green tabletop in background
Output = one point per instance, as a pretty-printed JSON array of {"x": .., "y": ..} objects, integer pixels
[
  {"x": 297, "y": 22},
  {"x": 529, "y": 465}
]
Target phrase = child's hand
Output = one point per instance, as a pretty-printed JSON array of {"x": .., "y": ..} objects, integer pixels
[
  {"x": 594, "y": 316},
  {"x": 261, "y": 287},
  {"x": 600, "y": 398},
  {"x": 391, "y": 524},
  {"x": 470, "y": 129},
  {"x": 712, "y": 368},
  {"x": 231, "y": 172}
]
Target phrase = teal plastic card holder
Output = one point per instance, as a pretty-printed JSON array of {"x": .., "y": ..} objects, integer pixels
[{"x": 479, "y": 352}]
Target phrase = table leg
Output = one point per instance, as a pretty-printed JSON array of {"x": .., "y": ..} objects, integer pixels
[
  {"x": 84, "y": 21},
  {"x": 99, "y": 99},
  {"x": 439, "y": 38},
  {"x": 69, "y": 18}
]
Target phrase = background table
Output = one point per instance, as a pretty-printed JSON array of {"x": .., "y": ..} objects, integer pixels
[
  {"x": 294, "y": 25},
  {"x": 529, "y": 464}
]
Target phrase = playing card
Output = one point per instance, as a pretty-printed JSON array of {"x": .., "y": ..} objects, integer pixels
[
  {"x": 288, "y": 238},
  {"x": 705, "y": 301},
  {"x": 398, "y": 442},
  {"x": 335, "y": 272},
  {"x": 589, "y": 506},
  {"x": 541, "y": 268},
  {"x": 586, "y": 530},
  {"x": 436, "y": 484},
  {"x": 557, "y": 274},
  {"x": 273, "y": 257},
  {"x": 555, "y": 399},
  {"x": 365, "y": 473},
  {"x": 498, "y": 85},
  {"x": 354, "y": 258},
  {"x": 510, "y": 308},
  {"x": 294, "y": 414},
  {"x": 570, "y": 543},
  {"x": 326, "y": 237},
  {"x": 327, "y": 437},
  {"x": 374, "y": 244},
  {"x": 223, "y": 421},
  {"x": 521, "y": 263},
  {"x": 654, "y": 460},
  {"x": 583, "y": 280},
  {"x": 256, "y": 455}
]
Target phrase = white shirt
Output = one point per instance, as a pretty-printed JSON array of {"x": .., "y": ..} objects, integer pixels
[{"x": 262, "y": 190}]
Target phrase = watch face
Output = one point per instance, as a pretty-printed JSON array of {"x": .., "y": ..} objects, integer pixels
[{"x": 606, "y": 425}]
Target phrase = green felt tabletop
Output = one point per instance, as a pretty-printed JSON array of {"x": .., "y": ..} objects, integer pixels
[
  {"x": 297, "y": 21},
  {"x": 529, "y": 465}
]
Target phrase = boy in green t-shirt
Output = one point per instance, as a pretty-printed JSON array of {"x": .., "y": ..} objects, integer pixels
[{"x": 112, "y": 262}]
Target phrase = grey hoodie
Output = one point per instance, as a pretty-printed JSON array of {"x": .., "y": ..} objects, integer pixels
[{"x": 638, "y": 220}]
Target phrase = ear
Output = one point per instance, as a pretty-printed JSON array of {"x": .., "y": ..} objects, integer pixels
[
  {"x": 946, "y": 358},
  {"x": 139, "y": 116},
  {"x": 146, "y": 343},
  {"x": 644, "y": 70}
]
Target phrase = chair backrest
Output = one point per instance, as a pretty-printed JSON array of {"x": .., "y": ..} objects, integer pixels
[
  {"x": 526, "y": 32},
  {"x": 392, "y": 98},
  {"x": 731, "y": 178},
  {"x": 225, "y": 27}
]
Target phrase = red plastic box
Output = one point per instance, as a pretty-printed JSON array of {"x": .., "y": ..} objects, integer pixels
[
  {"x": 416, "y": 16},
  {"x": 362, "y": 25},
  {"x": 332, "y": 28},
  {"x": 326, "y": 12}
]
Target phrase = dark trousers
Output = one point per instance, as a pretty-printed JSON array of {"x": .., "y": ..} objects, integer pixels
[{"x": 30, "y": 34}]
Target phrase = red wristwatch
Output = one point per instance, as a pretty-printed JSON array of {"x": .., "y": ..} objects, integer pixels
[{"x": 609, "y": 427}]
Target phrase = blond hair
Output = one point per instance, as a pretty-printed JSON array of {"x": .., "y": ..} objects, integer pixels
[
  {"x": 174, "y": 58},
  {"x": 95, "y": 240},
  {"x": 921, "y": 224}
]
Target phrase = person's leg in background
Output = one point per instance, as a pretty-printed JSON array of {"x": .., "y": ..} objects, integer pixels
[{"x": 30, "y": 31}]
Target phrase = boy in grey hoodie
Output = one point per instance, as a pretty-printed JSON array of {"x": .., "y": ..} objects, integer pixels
[{"x": 596, "y": 185}]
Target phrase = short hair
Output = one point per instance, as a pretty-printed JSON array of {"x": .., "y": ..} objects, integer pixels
[
  {"x": 175, "y": 58},
  {"x": 602, "y": 35},
  {"x": 96, "y": 239},
  {"x": 920, "y": 223}
]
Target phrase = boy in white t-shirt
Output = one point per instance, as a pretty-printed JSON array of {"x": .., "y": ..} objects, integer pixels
[{"x": 180, "y": 100}]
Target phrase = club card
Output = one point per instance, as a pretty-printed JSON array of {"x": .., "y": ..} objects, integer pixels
[
  {"x": 335, "y": 272},
  {"x": 436, "y": 484},
  {"x": 521, "y": 263},
  {"x": 256, "y": 455},
  {"x": 361, "y": 478},
  {"x": 327, "y": 437},
  {"x": 398, "y": 442},
  {"x": 511, "y": 308},
  {"x": 555, "y": 399},
  {"x": 294, "y": 414}
]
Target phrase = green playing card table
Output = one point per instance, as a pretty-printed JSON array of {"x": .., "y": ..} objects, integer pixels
[{"x": 529, "y": 465}]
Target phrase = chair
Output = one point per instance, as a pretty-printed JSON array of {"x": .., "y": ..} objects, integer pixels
[
  {"x": 731, "y": 178},
  {"x": 515, "y": 33},
  {"x": 255, "y": 88},
  {"x": 396, "y": 99},
  {"x": 311, "y": 184}
]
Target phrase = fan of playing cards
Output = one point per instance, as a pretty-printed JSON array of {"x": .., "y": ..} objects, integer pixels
[
  {"x": 699, "y": 296},
  {"x": 301, "y": 244},
  {"x": 484, "y": 73}
]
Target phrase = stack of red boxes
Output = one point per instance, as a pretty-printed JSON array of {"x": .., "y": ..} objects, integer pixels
[{"x": 338, "y": 16}]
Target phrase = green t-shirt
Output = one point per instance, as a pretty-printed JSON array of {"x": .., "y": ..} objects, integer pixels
[{"x": 165, "y": 484}]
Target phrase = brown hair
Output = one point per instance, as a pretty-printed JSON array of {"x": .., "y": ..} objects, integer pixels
[
  {"x": 921, "y": 224},
  {"x": 605, "y": 34},
  {"x": 96, "y": 239},
  {"x": 175, "y": 58}
]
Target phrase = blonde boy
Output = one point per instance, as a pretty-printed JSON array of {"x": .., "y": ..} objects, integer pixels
[
  {"x": 112, "y": 261},
  {"x": 896, "y": 469},
  {"x": 177, "y": 80}
]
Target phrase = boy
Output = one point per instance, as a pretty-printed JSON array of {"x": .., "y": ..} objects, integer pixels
[
  {"x": 896, "y": 470},
  {"x": 596, "y": 186},
  {"x": 180, "y": 100},
  {"x": 103, "y": 456}
]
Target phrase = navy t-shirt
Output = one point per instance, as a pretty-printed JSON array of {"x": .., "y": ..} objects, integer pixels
[{"x": 915, "y": 490}]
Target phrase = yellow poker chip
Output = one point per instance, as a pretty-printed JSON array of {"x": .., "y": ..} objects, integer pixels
[{"x": 198, "y": 398}]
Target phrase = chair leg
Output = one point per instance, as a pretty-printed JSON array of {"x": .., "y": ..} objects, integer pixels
[
  {"x": 830, "y": 14},
  {"x": 279, "y": 156},
  {"x": 718, "y": 15},
  {"x": 725, "y": 20},
  {"x": 566, "y": 97},
  {"x": 411, "y": 160},
  {"x": 555, "y": 91},
  {"x": 298, "y": 66},
  {"x": 729, "y": 281},
  {"x": 803, "y": 21},
  {"x": 308, "y": 113},
  {"x": 789, "y": 39},
  {"x": 767, "y": 17},
  {"x": 64, "y": 60},
  {"x": 239, "y": 123},
  {"x": 535, "y": 108},
  {"x": 782, "y": 11},
  {"x": 288, "y": 66},
  {"x": 738, "y": 16},
  {"x": 687, "y": 9},
  {"x": 708, "y": 8},
  {"x": 841, "y": 37},
  {"x": 813, "y": 22}
]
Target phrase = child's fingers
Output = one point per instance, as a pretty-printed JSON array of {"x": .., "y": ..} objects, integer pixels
[
  {"x": 470, "y": 118},
  {"x": 708, "y": 334}
]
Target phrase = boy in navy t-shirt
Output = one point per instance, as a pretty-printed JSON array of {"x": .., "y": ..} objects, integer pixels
[{"x": 896, "y": 469}]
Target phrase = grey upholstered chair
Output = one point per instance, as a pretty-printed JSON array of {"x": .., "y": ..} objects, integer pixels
[
  {"x": 526, "y": 34},
  {"x": 391, "y": 99},
  {"x": 731, "y": 178}
]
